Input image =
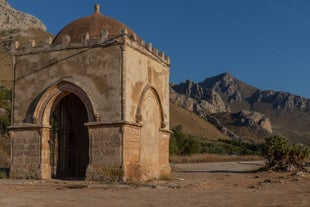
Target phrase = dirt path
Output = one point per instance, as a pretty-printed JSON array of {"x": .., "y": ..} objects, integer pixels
[{"x": 219, "y": 184}]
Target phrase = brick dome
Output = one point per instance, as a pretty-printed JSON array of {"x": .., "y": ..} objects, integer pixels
[{"x": 92, "y": 24}]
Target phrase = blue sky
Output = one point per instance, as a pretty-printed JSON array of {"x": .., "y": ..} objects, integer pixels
[{"x": 262, "y": 42}]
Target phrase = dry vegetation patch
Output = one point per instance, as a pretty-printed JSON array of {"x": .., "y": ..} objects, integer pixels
[{"x": 200, "y": 158}]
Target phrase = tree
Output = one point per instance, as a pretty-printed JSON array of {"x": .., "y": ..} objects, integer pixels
[
  {"x": 183, "y": 144},
  {"x": 282, "y": 156}
]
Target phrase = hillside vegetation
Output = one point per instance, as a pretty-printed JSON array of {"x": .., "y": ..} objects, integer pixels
[{"x": 192, "y": 124}]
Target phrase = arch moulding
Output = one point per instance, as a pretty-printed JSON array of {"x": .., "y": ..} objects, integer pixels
[
  {"x": 154, "y": 92},
  {"x": 56, "y": 92}
]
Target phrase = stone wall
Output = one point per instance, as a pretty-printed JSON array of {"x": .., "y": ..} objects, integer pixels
[
  {"x": 26, "y": 145},
  {"x": 142, "y": 70},
  {"x": 105, "y": 152},
  {"x": 97, "y": 69},
  {"x": 164, "y": 167},
  {"x": 131, "y": 142}
]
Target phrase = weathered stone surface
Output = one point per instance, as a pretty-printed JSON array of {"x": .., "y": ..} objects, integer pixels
[
  {"x": 281, "y": 101},
  {"x": 204, "y": 109},
  {"x": 11, "y": 19},
  {"x": 26, "y": 157},
  {"x": 119, "y": 89},
  {"x": 254, "y": 120},
  {"x": 193, "y": 98}
]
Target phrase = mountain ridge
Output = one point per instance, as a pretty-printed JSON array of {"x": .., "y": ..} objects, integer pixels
[{"x": 236, "y": 96}]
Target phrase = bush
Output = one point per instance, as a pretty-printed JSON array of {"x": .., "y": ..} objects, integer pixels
[
  {"x": 231, "y": 147},
  {"x": 282, "y": 156},
  {"x": 182, "y": 144},
  {"x": 5, "y": 103},
  {"x": 4, "y": 173}
]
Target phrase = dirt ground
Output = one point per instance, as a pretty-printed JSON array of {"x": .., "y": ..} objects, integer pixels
[{"x": 204, "y": 184}]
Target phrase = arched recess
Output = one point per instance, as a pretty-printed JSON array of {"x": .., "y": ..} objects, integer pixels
[
  {"x": 56, "y": 92},
  {"x": 43, "y": 110},
  {"x": 151, "y": 118},
  {"x": 152, "y": 90}
]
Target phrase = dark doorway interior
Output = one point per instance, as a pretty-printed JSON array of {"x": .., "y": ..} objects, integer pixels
[{"x": 69, "y": 140}]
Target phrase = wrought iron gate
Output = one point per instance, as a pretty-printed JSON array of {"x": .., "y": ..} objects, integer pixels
[{"x": 69, "y": 139}]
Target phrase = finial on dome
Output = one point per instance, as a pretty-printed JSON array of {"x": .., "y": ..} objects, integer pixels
[{"x": 97, "y": 8}]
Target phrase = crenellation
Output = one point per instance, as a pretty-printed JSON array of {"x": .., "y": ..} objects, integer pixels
[
  {"x": 167, "y": 58},
  {"x": 85, "y": 38},
  {"x": 48, "y": 41},
  {"x": 161, "y": 54},
  {"x": 66, "y": 39},
  {"x": 142, "y": 42},
  {"x": 16, "y": 44},
  {"x": 133, "y": 37},
  {"x": 103, "y": 36},
  {"x": 31, "y": 43},
  {"x": 148, "y": 46},
  {"x": 48, "y": 45},
  {"x": 155, "y": 51},
  {"x": 123, "y": 31}
]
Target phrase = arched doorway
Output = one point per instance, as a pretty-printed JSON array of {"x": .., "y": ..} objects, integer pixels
[{"x": 69, "y": 143}]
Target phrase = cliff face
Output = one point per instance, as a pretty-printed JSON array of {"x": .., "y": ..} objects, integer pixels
[
  {"x": 11, "y": 19},
  {"x": 191, "y": 96},
  {"x": 258, "y": 110}
]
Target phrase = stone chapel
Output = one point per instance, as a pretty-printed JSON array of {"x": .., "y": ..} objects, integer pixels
[{"x": 92, "y": 103}]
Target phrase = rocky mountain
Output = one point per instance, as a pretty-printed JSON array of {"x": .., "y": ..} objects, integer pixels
[
  {"x": 235, "y": 105},
  {"x": 16, "y": 26},
  {"x": 232, "y": 89},
  {"x": 11, "y": 19}
]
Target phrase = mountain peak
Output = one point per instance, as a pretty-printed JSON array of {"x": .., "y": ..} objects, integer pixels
[
  {"x": 228, "y": 86},
  {"x": 226, "y": 75},
  {"x": 11, "y": 19}
]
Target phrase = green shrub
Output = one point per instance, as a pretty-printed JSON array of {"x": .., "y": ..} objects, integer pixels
[
  {"x": 5, "y": 103},
  {"x": 231, "y": 147},
  {"x": 182, "y": 144},
  {"x": 4, "y": 174},
  {"x": 282, "y": 156}
]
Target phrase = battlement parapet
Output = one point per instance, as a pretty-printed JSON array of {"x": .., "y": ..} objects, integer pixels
[{"x": 86, "y": 41}]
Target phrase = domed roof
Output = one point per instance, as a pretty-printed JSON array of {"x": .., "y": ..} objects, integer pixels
[{"x": 92, "y": 24}]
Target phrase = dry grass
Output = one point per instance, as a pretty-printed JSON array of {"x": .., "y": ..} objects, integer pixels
[
  {"x": 198, "y": 158},
  {"x": 193, "y": 124}
]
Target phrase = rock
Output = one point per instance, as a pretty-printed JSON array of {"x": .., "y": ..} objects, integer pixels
[
  {"x": 192, "y": 97},
  {"x": 254, "y": 120},
  {"x": 202, "y": 108},
  {"x": 11, "y": 19},
  {"x": 267, "y": 181},
  {"x": 300, "y": 174}
]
